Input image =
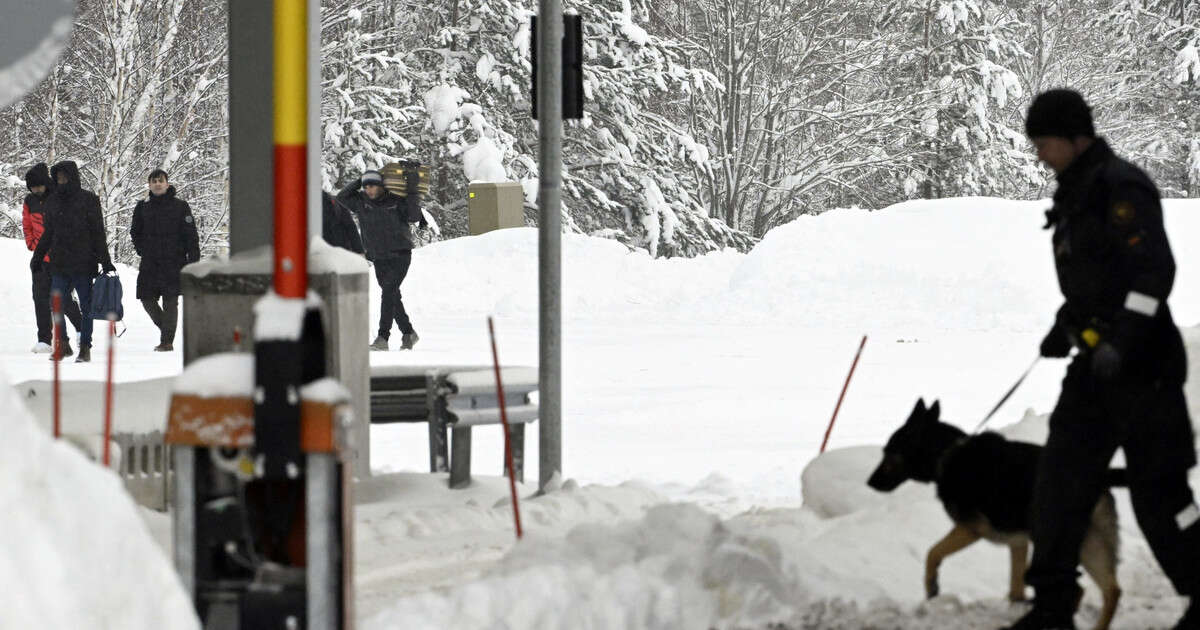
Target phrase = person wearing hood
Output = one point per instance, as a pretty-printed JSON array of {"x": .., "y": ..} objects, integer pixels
[
  {"x": 77, "y": 244},
  {"x": 37, "y": 180},
  {"x": 164, "y": 234}
]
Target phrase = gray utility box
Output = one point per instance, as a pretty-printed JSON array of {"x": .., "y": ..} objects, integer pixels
[
  {"x": 219, "y": 296},
  {"x": 495, "y": 206}
]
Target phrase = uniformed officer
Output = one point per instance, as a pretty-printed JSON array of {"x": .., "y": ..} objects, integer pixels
[{"x": 1124, "y": 386}]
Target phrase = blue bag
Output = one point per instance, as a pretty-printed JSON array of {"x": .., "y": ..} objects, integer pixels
[{"x": 106, "y": 297}]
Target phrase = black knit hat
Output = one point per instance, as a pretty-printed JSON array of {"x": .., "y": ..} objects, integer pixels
[
  {"x": 1061, "y": 113},
  {"x": 39, "y": 175}
]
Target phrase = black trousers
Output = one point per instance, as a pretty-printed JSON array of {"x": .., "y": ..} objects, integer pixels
[
  {"x": 1092, "y": 419},
  {"x": 42, "y": 307},
  {"x": 165, "y": 317},
  {"x": 390, "y": 273}
]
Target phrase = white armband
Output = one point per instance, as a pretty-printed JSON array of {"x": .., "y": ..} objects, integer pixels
[{"x": 1141, "y": 303}]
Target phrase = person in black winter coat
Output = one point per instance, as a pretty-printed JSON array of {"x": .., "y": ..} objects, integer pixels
[
  {"x": 1124, "y": 387},
  {"x": 388, "y": 241},
  {"x": 77, "y": 244},
  {"x": 37, "y": 180},
  {"x": 337, "y": 226},
  {"x": 164, "y": 234}
]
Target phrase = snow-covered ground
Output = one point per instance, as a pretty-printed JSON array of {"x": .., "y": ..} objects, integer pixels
[{"x": 696, "y": 392}]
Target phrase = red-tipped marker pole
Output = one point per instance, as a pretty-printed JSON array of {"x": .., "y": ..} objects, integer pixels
[
  {"x": 108, "y": 389},
  {"x": 843, "y": 394},
  {"x": 56, "y": 306},
  {"x": 508, "y": 458}
]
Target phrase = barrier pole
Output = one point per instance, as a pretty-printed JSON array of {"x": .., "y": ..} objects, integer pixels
[
  {"x": 508, "y": 458},
  {"x": 843, "y": 394},
  {"x": 108, "y": 388},
  {"x": 56, "y": 306}
]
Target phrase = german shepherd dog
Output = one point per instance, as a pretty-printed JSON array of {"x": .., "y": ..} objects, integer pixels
[{"x": 985, "y": 484}]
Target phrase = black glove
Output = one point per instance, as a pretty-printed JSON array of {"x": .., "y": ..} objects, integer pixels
[
  {"x": 35, "y": 264},
  {"x": 109, "y": 268},
  {"x": 1056, "y": 345},
  {"x": 1106, "y": 361}
]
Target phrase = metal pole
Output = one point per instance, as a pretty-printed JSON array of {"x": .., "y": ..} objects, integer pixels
[
  {"x": 550, "y": 31},
  {"x": 251, "y": 136}
]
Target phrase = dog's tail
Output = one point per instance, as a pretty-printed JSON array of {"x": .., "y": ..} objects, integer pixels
[{"x": 1116, "y": 478}]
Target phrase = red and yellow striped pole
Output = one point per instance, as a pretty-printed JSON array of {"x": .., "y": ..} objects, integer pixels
[{"x": 291, "y": 148}]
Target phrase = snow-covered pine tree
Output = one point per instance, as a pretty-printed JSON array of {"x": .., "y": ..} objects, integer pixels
[
  {"x": 961, "y": 52},
  {"x": 466, "y": 64}
]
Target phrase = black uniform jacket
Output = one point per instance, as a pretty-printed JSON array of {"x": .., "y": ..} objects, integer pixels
[{"x": 1114, "y": 264}]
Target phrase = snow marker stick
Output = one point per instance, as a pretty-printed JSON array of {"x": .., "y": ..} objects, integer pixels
[
  {"x": 56, "y": 306},
  {"x": 843, "y": 394},
  {"x": 108, "y": 387},
  {"x": 508, "y": 458}
]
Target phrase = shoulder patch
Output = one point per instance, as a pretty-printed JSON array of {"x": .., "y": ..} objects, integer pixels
[{"x": 1123, "y": 213}]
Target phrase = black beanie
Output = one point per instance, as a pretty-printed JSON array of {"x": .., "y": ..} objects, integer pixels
[
  {"x": 1061, "y": 113},
  {"x": 39, "y": 175}
]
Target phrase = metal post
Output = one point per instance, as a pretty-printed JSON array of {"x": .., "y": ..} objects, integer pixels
[
  {"x": 314, "y": 118},
  {"x": 251, "y": 134},
  {"x": 550, "y": 27}
]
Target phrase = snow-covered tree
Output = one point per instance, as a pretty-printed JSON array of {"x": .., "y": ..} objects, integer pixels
[{"x": 962, "y": 53}]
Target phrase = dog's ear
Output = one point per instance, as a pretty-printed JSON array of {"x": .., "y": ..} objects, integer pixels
[
  {"x": 935, "y": 411},
  {"x": 919, "y": 409}
]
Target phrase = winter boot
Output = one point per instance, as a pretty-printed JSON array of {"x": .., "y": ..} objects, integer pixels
[
  {"x": 164, "y": 347},
  {"x": 85, "y": 354},
  {"x": 409, "y": 340},
  {"x": 66, "y": 350},
  {"x": 380, "y": 343},
  {"x": 1191, "y": 617},
  {"x": 1052, "y": 610}
]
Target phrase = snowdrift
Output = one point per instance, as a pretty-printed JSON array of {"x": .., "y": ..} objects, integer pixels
[{"x": 76, "y": 553}]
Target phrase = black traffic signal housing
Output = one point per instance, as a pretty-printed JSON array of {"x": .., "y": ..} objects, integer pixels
[{"x": 572, "y": 66}]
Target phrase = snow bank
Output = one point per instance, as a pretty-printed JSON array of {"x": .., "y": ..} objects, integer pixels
[
  {"x": 76, "y": 553},
  {"x": 962, "y": 264},
  {"x": 676, "y": 567}
]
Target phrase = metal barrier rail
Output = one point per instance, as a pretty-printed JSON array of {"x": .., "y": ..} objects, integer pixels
[{"x": 145, "y": 468}]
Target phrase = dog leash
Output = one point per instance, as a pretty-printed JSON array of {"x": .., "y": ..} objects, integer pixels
[{"x": 1008, "y": 394}]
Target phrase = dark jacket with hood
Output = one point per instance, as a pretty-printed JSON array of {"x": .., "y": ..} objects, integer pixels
[
  {"x": 164, "y": 234},
  {"x": 74, "y": 235},
  {"x": 33, "y": 212},
  {"x": 385, "y": 230},
  {"x": 1114, "y": 264},
  {"x": 337, "y": 226}
]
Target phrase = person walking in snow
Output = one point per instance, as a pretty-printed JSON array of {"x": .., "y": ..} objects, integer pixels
[
  {"x": 388, "y": 241},
  {"x": 163, "y": 232},
  {"x": 77, "y": 243},
  {"x": 1124, "y": 386},
  {"x": 37, "y": 180}
]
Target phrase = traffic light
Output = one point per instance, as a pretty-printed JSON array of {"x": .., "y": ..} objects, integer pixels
[{"x": 572, "y": 66}]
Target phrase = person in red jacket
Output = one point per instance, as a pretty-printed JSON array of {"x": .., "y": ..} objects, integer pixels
[{"x": 37, "y": 180}]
